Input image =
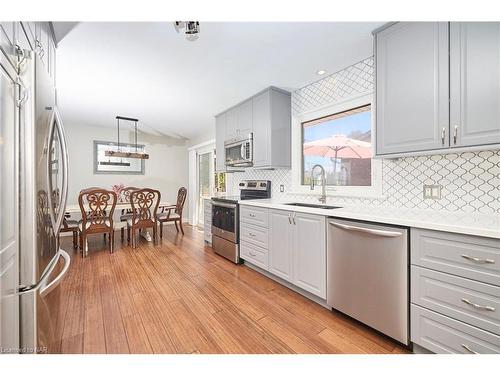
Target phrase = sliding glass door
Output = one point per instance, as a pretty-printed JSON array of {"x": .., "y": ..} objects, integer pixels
[{"x": 205, "y": 181}]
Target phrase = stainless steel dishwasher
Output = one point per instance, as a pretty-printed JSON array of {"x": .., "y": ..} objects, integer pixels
[{"x": 367, "y": 275}]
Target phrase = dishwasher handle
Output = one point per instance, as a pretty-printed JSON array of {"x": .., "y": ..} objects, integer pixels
[{"x": 375, "y": 232}]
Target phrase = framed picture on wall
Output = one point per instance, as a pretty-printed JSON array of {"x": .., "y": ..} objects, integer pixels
[{"x": 117, "y": 165}]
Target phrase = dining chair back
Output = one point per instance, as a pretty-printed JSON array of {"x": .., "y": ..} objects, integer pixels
[
  {"x": 181, "y": 199},
  {"x": 97, "y": 207},
  {"x": 144, "y": 204},
  {"x": 126, "y": 213},
  {"x": 174, "y": 213}
]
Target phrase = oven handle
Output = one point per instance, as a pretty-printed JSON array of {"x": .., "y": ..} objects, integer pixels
[{"x": 227, "y": 205}]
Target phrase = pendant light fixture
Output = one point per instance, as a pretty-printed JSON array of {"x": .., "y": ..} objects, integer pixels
[{"x": 123, "y": 154}]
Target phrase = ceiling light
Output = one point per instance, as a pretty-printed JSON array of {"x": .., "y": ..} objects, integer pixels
[
  {"x": 321, "y": 72},
  {"x": 120, "y": 153},
  {"x": 192, "y": 29}
]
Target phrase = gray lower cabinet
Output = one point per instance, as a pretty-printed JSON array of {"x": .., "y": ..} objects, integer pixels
[
  {"x": 309, "y": 253},
  {"x": 254, "y": 236},
  {"x": 455, "y": 292},
  {"x": 207, "y": 220},
  {"x": 437, "y": 87},
  {"x": 280, "y": 244},
  {"x": 412, "y": 87},
  {"x": 444, "y": 335},
  {"x": 474, "y": 83},
  {"x": 297, "y": 249},
  {"x": 463, "y": 299}
]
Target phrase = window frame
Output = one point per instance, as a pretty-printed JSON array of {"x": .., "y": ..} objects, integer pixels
[{"x": 373, "y": 191}]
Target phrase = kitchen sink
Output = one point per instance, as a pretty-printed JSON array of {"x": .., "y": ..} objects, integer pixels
[{"x": 310, "y": 205}]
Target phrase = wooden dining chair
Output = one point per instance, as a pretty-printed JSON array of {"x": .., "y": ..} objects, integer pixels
[
  {"x": 97, "y": 207},
  {"x": 69, "y": 225},
  {"x": 174, "y": 212},
  {"x": 126, "y": 212},
  {"x": 144, "y": 204}
]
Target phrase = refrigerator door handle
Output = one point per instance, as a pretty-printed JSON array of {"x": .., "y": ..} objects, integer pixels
[
  {"x": 47, "y": 288},
  {"x": 56, "y": 125},
  {"x": 64, "y": 148},
  {"x": 42, "y": 285}
]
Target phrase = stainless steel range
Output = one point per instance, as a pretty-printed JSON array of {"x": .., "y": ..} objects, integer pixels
[{"x": 225, "y": 217}]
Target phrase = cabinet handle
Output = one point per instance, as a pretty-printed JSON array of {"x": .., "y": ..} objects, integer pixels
[
  {"x": 252, "y": 254},
  {"x": 251, "y": 215},
  {"x": 455, "y": 134},
  {"x": 466, "y": 347},
  {"x": 443, "y": 135},
  {"x": 476, "y": 306},
  {"x": 293, "y": 218},
  {"x": 251, "y": 234},
  {"x": 478, "y": 260},
  {"x": 290, "y": 218}
]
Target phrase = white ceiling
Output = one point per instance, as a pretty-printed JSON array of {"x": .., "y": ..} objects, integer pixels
[{"x": 174, "y": 86}]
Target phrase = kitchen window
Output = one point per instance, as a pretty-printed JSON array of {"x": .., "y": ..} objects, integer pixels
[{"x": 340, "y": 139}]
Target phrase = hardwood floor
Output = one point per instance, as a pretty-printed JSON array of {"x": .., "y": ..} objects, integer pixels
[{"x": 180, "y": 297}]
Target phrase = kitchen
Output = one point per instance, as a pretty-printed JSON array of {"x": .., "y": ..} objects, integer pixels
[{"x": 348, "y": 204}]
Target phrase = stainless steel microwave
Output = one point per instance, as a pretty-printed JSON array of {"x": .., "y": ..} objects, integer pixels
[{"x": 239, "y": 152}]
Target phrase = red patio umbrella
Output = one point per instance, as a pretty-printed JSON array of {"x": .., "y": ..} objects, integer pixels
[{"x": 338, "y": 146}]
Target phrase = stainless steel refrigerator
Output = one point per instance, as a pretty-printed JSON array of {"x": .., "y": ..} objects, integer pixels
[{"x": 42, "y": 195}]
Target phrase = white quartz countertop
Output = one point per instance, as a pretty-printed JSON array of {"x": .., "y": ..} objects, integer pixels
[{"x": 464, "y": 223}]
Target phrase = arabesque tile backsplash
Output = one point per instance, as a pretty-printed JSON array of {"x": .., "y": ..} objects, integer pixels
[{"x": 470, "y": 180}]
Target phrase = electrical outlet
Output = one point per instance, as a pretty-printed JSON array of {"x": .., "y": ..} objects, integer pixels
[
  {"x": 432, "y": 191},
  {"x": 282, "y": 188},
  {"x": 427, "y": 192},
  {"x": 436, "y": 192}
]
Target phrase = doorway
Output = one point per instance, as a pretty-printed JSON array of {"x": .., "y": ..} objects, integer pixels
[{"x": 205, "y": 183}]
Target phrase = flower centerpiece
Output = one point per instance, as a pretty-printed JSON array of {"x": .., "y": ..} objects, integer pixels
[{"x": 117, "y": 188}]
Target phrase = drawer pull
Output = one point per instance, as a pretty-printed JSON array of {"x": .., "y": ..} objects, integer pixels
[
  {"x": 251, "y": 215},
  {"x": 476, "y": 306},
  {"x": 466, "y": 347},
  {"x": 478, "y": 260},
  {"x": 251, "y": 234},
  {"x": 252, "y": 254}
]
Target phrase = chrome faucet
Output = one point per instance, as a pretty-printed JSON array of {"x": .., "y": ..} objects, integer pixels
[{"x": 322, "y": 199}]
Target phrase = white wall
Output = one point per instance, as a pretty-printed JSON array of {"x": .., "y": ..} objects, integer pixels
[{"x": 166, "y": 169}]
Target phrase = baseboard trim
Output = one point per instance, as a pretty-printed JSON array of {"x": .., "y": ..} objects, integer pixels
[{"x": 289, "y": 285}]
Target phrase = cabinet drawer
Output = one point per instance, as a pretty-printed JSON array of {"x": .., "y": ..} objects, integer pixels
[
  {"x": 253, "y": 254},
  {"x": 441, "y": 334},
  {"x": 254, "y": 234},
  {"x": 254, "y": 215},
  {"x": 463, "y": 299},
  {"x": 473, "y": 257}
]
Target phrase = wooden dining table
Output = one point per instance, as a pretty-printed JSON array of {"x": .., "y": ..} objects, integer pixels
[{"x": 75, "y": 208}]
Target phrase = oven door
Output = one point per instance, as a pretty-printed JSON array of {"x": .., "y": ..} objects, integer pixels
[{"x": 225, "y": 221}]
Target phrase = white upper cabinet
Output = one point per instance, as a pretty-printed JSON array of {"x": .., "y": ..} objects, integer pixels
[
  {"x": 267, "y": 117},
  {"x": 412, "y": 87},
  {"x": 438, "y": 87},
  {"x": 261, "y": 128},
  {"x": 475, "y": 83},
  {"x": 220, "y": 135},
  {"x": 245, "y": 122},
  {"x": 231, "y": 125}
]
